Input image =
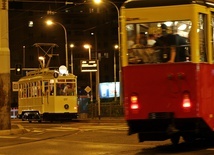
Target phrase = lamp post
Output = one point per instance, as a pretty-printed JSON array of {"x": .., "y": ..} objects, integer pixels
[
  {"x": 49, "y": 22},
  {"x": 118, "y": 17},
  {"x": 118, "y": 20},
  {"x": 115, "y": 74},
  {"x": 23, "y": 63},
  {"x": 87, "y": 46},
  {"x": 97, "y": 76},
  {"x": 72, "y": 61}
]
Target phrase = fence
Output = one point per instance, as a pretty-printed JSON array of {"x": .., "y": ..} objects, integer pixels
[{"x": 107, "y": 109}]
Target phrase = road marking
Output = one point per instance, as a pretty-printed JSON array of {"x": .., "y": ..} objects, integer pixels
[
  {"x": 62, "y": 129},
  {"x": 29, "y": 138},
  {"x": 9, "y": 137}
]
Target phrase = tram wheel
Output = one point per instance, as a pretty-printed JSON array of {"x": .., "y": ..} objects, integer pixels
[{"x": 175, "y": 139}]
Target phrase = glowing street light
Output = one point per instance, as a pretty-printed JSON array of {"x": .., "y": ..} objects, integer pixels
[
  {"x": 87, "y": 46},
  {"x": 49, "y": 22},
  {"x": 72, "y": 62}
]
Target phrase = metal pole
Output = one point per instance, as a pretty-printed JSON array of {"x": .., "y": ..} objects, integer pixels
[
  {"x": 97, "y": 79},
  {"x": 98, "y": 93},
  {"x": 115, "y": 77},
  {"x": 66, "y": 44},
  {"x": 72, "y": 63},
  {"x": 23, "y": 57},
  {"x": 120, "y": 79},
  {"x": 89, "y": 51}
]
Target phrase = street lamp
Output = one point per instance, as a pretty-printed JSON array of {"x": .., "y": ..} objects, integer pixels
[
  {"x": 118, "y": 20},
  {"x": 49, "y": 22},
  {"x": 118, "y": 17},
  {"x": 115, "y": 76},
  {"x": 87, "y": 46},
  {"x": 72, "y": 62}
]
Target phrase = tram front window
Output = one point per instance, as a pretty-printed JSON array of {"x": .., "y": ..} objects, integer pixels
[
  {"x": 154, "y": 42},
  {"x": 65, "y": 89}
]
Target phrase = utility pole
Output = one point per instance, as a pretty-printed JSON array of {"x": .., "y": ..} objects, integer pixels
[{"x": 5, "y": 85}]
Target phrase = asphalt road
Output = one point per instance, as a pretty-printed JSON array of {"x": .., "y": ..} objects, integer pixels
[{"x": 80, "y": 138}]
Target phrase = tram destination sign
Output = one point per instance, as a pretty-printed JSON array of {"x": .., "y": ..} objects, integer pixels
[{"x": 88, "y": 65}]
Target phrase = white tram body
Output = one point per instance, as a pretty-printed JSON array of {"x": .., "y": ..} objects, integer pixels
[{"x": 54, "y": 97}]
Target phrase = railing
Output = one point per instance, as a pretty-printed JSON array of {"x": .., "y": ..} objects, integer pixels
[{"x": 106, "y": 110}]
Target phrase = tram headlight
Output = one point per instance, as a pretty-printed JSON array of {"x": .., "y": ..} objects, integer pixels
[{"x": 63, "y": 70}]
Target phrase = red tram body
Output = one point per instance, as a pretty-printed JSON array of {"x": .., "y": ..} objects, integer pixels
[{"x": 161, "y": 92}]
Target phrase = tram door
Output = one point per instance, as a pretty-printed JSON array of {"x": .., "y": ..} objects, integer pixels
[{"x": 47, "y": 105}]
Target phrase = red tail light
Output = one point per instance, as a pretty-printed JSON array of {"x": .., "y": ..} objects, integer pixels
[
  {"x": 134, "y": 105},
  {"x": 186, "y": 101}
]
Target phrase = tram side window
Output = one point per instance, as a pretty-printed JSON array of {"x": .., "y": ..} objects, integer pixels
[
  {"x": 202, "y": 36},
  {"x": 21, "y": 95},
  {"x": 30, "y": 89},
  {"x": 51, "y": 88},
  {"x": 25, "y": 90},
  {"x": 46, "y": 88},
  {"x": 34, "y": 89},
  {"x": 151, "y": 43},
  {"x": 39, "y": 88}
]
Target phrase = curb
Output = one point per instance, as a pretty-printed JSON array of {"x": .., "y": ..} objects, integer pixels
[
  {"x": 15, "y": 129},
  {"x": 102, "y": 120}
]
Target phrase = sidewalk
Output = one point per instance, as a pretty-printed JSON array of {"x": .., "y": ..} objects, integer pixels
[{"x": 18, "y": 129}]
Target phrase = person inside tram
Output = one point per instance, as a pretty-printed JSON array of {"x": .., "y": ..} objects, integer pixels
[
  {"x": 59, "y": 89},
  {"x": 142, "y": 51},
  {"x": 66, "y": 88},
  {"x": 171, "y": 46},
  {"x": 69, "y": 89}
]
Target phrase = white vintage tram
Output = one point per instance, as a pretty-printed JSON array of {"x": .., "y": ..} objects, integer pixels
[{"x": 51, "y": 95}]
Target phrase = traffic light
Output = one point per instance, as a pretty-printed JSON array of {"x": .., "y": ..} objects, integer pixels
[{"x": 18, "y": 69}]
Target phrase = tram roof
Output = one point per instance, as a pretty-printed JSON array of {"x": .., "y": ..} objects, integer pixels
[
  {"x": 152, "y": 3},
  {"x": 43, "y": 73}
]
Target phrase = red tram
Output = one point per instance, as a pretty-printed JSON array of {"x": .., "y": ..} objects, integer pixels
[{"x": 165, "y": 99}]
